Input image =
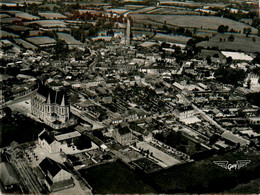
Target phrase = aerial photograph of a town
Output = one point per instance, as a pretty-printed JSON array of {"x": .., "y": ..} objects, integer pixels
[{"x": 129, "y": 97}]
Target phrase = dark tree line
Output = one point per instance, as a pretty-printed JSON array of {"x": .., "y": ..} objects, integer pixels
[{"x": 230, "y": 76}]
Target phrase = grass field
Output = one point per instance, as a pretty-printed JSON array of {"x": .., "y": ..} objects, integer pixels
[
  {"x": 169, "y": 38},
  {"x": 70, "y": 40},
  {"x": 115, "y": 178},
  {"x": 4, "y": 34},
  {"x": 199, "y": 177},
  {"x": 27, "y": 16},
  {"x": 174, "y": 10},
  {"x": 48, "y": 23},
  {"x": 118, "y": 11},
  {"x": 41, "y": 40},
  {"x": 148, "y": 33},
  {"x": 143, "y": 10},
  {"x": 133, "y": 7},
  {"x": 240, "y": 43},
  {"x": 50, "y": 15},
  {"x": 25, "y": 44},
  {"x": 206, "y": 177},
  {"x": 251, "y": 187},
  {"x": 204, "y": 22}
]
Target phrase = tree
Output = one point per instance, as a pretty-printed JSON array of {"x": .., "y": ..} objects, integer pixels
[
  {"x": 230, "y": 75},
  {"x": 8, "y": 112},
  {"x": 223, "y": 29},
  {"x": 110, "y": 32},
  {"x": 248, "y": 84},
  {"x": 231, "y": 38},
  {"x": 229, "y": 60},
  {"x": 256, "y": 60},
  {"x": 208, "y": 58},
  {"x": 61, "y": 47},
  {"x": 247, "y": 31},
  {"x": 82, "y": 142}
]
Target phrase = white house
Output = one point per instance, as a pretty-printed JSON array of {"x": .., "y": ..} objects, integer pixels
[
  {"x": 48, "y": 142},
  {"x": 56, "y": 175}
]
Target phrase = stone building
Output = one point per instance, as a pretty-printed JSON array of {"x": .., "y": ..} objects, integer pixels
[
  {"x": 123, "y": 135},
  {"x": 56, "y": 177},
  {"x": 52, "y": 107}
]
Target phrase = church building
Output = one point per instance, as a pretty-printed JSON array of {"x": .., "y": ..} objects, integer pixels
[{"x": 52, "y": 107}]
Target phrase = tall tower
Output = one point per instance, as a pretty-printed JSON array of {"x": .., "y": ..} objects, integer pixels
[
  {"x": 128, "y": 32},
  {"x": 258, "y": 11}
]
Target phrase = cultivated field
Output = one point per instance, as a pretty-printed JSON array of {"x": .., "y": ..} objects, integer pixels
[
  {"x": 41, "y": 40},
  {"x": 4, "y": 15},
  {"x": 25, "y": 44},
  {"x": 10, "y": 20},
  {"x": 143, "y": 10},
  {"x": 204, "y": 22},
  {"x": 4, "y": 34},
  {"x": 240, "y": 43},
  {"x": 70, "y": 40},
  {"x": 50, "y": 15},
  {"x": 27, "y": 16},
  {"x": 179, "y": 3},
  {"x": 172, "y": 39},
  {"x": 133, "y": 7},
  {"x": 171, "y": 11},
  {"x": 118, "y": 11},
  {"x": 48, "y": 23}
]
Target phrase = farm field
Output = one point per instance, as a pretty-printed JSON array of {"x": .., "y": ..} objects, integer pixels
[
  {"x": 27, "y": 16},
  {"x": 50, "y": 15},
  {"x": 240, "y": 43},
  {"x": 143, "y": 10},
  {"x": 146, "y": 22},
  {"x": 48, "y": 23},
  {"x": 133, "y": 7},
  {"x": 10, "y": 20},
  {"x": 2, "y": 15},
  {"x": 16, "y": 28},
  {"x": 204, "y": 22},
  {"x": 170, "y": 38},
  {"x": 25, "y": 44},
  {"x": 118, "y": 11},
  {"x": 7, "y": 34},
  {"x": 68, "y": 39},
  {"x": 41, "y": 40},
  {"x": 171, "y": 11}
]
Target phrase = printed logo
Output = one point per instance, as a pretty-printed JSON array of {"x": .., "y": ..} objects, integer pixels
[{"x": 239, "y": 164}]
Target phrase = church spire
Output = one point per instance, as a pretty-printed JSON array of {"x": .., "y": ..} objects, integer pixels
[
  {"x": 49, "y": 99},
  {"x": 63, "y": 101}
]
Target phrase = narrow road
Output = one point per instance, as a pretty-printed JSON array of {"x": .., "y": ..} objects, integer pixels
[{"x": 203, "y": 114}]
